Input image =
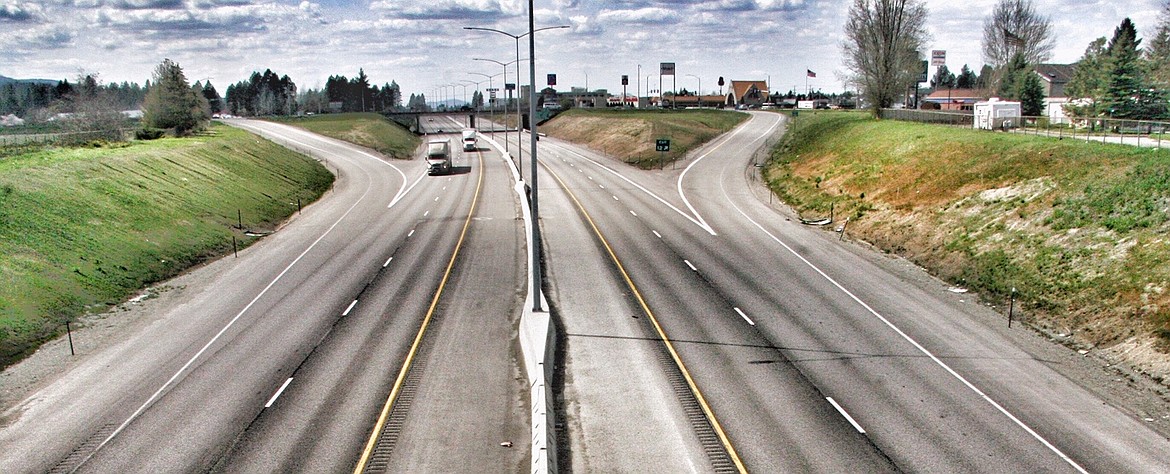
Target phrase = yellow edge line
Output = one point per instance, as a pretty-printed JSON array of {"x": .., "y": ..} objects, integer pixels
[
  {"x": 373, "y": 441},
  {"x": 657, "y": 327}
]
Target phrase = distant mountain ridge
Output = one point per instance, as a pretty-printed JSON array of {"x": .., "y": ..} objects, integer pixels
[{"x": 7, "y": 80}]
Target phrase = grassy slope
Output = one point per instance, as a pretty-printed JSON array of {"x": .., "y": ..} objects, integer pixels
[
  {"x": 366, "y": 129},
  {"x": 1080, "y": 229},
  {"x": 630, "y": 135},
  {"x": 85, "y": 228}
]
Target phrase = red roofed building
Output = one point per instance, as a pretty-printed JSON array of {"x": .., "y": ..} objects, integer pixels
[{"x": 747, "y": 93}]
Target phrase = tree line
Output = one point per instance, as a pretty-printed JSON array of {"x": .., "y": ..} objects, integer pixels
[
  {"x": 885, "y": 40},
  {"x": 39, "y": 100}
]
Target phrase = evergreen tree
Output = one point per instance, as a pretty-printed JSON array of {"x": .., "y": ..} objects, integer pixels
[
  {"x": 1012, "y": 75},
  {"x": 943, "y": 77},
  {"x": 966, "y": 78},
  {"x": 1125, "y": 73},
  {"x": 986, "y": 74},
  {"x": 1087, "y": 85},
  {"x": 1158, "y": 50},
  {"x": 1031, "y": 94},
  {"x": 171, "y": 103}
]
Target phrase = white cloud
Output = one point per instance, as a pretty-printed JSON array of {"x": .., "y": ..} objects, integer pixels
[{"x": 648, "y": 15}]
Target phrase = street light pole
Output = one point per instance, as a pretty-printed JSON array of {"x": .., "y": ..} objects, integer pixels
[
  {"x": 505, "y": 73},
  {"x": 537, "y": 304},
  {"x": 519, "y": 122},
  {"x": 491, "y": 109},
  {"x": 699, "y": 93}
]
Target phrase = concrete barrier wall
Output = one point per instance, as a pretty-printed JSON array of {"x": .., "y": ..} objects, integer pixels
[{"x": 538, "y": 345}]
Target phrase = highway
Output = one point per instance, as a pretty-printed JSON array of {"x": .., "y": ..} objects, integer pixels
[
  {"x": 282, "y": 359},
  {"x": 702, "y": 330},
  {"x": 813, "y": 355}
]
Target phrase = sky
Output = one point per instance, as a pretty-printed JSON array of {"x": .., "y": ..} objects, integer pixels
[{"x": 422, "y": 45}]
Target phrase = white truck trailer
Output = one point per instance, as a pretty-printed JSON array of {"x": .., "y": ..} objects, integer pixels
[
  {"x": 439, "y": 156},
  {"x": 470, "y": 141}
]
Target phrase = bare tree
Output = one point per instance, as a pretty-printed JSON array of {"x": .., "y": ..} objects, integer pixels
[
  {"x": 1015, "y": 27},
  {"x": 883, "y": 40}
]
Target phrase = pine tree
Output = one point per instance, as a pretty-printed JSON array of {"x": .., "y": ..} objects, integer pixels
[
  {"x": 1031, "y": 94},
  {"x": 1013, "y": 73},
  {"x": 171, "y": 103},
  {"x": 966, "y": 78},
  {"x": 1087, "y": 86},
  {"x": 1125, "y": 74}
]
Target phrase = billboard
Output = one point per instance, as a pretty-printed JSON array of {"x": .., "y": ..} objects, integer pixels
[
  {"x": 666, "y": 69},
  {"x": 938, "y": 57}
]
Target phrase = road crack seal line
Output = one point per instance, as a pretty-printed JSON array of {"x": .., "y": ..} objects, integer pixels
[
  {"x": 912, "y": 342},
  {"x": 715, "y": 442},
  {"x": 402, "y": 386}
]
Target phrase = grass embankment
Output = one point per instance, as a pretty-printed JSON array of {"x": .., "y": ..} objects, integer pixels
[
  {"x": 366, "y": 129},
  {"x": 630, "y": 134},
  {"x": 1080, "y": 229},
  {"x": 82, "y": 229}
]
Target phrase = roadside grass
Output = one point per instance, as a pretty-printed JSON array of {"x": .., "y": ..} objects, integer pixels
[
  {"x": 1079, "y": 229},
  {"x": 82, "y": 229},
  {"x": 366, "y": 129},
  {"x": 630, "y": 134}
]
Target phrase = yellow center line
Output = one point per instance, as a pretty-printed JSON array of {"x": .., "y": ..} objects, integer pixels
[
  {"x": 710, "y": 414},
  {"x": 373, "y": 441}
]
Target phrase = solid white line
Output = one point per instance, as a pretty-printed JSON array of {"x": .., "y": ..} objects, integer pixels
[
  {"x": 350, "y": 308},
  {"x": 699, "y": 222},
  {"x": 411, "y": 233},
  {"x": 384, "y": 265},
  {"x": 656, "y": 234},
  {"x": 846, "y": 415},
  {"x": 154, "y": 397},
  {"x": 745, "y": 317},
  {"x": 278, "y": 392},
  {"x": 713, "y": 148},
  {"x": 404, "y": 193},
  {"x": 634, "y": 213},
  {"x": 914, "y": 343},
  {"x": 688, "y": 262}
]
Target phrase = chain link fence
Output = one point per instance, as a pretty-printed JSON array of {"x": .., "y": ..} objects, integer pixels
[
  {"x": 64, "y": 138},
  {"x": 1146, "y": 133}
]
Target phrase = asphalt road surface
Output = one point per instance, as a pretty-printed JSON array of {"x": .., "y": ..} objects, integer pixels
[
  {"x": 814, "y": 355},
  {"x": 282, "y": 359}
]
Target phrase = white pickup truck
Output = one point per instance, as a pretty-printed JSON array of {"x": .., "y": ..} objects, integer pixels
[{"x": 438, "y": 156}]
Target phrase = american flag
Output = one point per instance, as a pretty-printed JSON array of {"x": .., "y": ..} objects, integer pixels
[{"x": 810, "y": 73}]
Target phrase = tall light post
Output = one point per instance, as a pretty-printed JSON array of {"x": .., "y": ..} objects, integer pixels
[
  {"x": 505, "y": 72},
  {"x": 491, "y": 109},
  {"x": 648, "y": 76},
  {"x": 699, "y": 93},
  {"x": 519, "y": 122}
]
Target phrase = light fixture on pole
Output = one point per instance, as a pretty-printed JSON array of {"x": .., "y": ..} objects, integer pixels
[
  {"x": 505, "y": 72},
  {"x": 519, "y": 123}
]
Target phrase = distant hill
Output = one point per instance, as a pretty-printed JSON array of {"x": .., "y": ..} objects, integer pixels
[{"x": 6, "y": 80}]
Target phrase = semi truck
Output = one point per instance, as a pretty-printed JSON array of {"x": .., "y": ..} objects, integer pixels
[
  {"x": 439, "y": 156},
  {"x": 470, "y": 142}
]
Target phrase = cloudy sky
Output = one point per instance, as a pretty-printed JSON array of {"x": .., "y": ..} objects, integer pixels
[{"x": 422, "y": 44}]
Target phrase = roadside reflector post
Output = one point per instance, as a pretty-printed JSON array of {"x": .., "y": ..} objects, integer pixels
[{"x": 1011, "y": 307}]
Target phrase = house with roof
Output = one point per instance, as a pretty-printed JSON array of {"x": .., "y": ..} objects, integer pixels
[
  {"x": 747, "y": 93},
  {"x": 954, "y": 99},
  {"x": 1055, "y": 77}
]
